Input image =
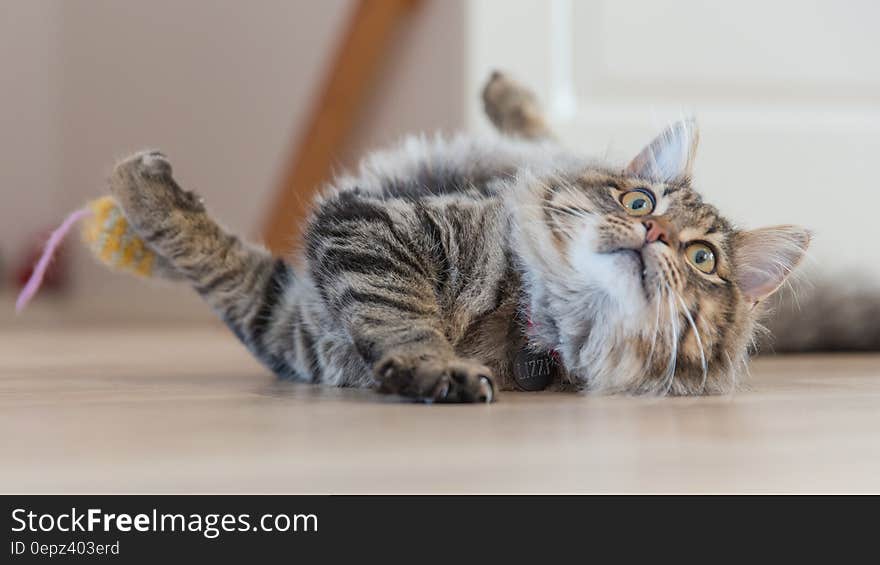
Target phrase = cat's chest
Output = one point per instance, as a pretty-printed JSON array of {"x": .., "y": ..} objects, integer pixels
[
  {"x": 494, "y": 338},
  {"x": 498, "y": 340}
]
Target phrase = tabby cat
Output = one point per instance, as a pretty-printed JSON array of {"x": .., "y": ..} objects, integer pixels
[{"x": 444, "y": 266}]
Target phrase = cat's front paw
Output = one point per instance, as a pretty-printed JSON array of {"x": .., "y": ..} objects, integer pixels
[
  {"x": 435, "y": 380},
  {"x": 144, "y": 187}
]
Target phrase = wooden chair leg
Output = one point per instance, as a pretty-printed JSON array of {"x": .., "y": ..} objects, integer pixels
[{"x": 356, "y": 62}]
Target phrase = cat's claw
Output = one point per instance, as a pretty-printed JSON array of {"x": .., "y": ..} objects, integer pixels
[
  {"x": 433, "y": 380},
  {"x": 155, "y": 163}
]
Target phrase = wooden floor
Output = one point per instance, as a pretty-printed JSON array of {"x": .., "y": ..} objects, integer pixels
[{"x": 187, "y": 410}]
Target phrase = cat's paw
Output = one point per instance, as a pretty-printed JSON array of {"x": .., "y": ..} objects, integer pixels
[
  {"x": 435, "y": 380},
  {"x": 512, "y": 108},
  {"x": 143, "y": 164},
  {"x": 144, "y": 187}
]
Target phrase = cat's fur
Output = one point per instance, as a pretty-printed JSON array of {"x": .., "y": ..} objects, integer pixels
[{"x": 428, "y": 271}]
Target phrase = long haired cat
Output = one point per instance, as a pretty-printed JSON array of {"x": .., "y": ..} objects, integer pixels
[{"x": 446, "y": 269}]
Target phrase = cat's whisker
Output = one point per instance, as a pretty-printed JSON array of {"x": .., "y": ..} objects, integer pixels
[
  {"x": 577, "y": 213},
  {"x": 656, "y": 329},
  {"x": 690, "y": 320},
  {"x": 673, "y": 321}
]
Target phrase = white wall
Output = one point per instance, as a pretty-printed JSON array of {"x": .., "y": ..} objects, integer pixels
[
  {"x": 223, "y": 87},
  {"x": 29, "y": 122}
]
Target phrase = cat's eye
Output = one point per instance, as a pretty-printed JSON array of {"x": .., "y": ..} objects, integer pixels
[
  {"x": 701, "y": 256},
  {"x": 638, "y": 202}
]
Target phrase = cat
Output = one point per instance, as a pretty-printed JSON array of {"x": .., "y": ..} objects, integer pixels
[{"x": 445, "y": 265}]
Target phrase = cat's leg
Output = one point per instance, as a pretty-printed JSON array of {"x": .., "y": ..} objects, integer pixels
[
  {"x": 379, "y": 282},
  {"x": 243, "y": 283},
  {"x": 513, "y": 109}
]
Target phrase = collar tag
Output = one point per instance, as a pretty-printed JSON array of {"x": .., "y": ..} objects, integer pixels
[{"x": 534, "y": 370}]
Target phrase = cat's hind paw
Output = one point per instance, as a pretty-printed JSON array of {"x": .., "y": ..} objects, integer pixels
[
  {"x": 144, "y": 187},
  {"x": 513, "y": 108}
]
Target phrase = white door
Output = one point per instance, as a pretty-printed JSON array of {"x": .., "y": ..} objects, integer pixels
[{"x": 787, "y": 94}]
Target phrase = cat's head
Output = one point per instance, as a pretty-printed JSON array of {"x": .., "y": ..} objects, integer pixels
[{"x": 638, "y": 283}]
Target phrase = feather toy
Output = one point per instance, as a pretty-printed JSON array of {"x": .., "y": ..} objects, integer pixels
[{"x": 107, "y": 233}]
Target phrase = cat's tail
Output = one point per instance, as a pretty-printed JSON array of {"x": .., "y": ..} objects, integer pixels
[{"x": 835, "y": 315}]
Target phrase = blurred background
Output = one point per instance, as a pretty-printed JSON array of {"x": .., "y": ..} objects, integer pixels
[{"x": 787, "y": 93}]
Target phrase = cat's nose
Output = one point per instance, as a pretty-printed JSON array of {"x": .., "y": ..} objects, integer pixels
[{"x": 658, "y": 229}]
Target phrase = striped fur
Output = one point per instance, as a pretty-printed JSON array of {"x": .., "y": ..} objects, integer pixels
[{"x": 422, "y": 270}]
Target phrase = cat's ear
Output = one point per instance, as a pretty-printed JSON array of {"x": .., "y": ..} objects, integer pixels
[
  {"x": 670, "y": 156},
  {"x": 766, "y": 256}
]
